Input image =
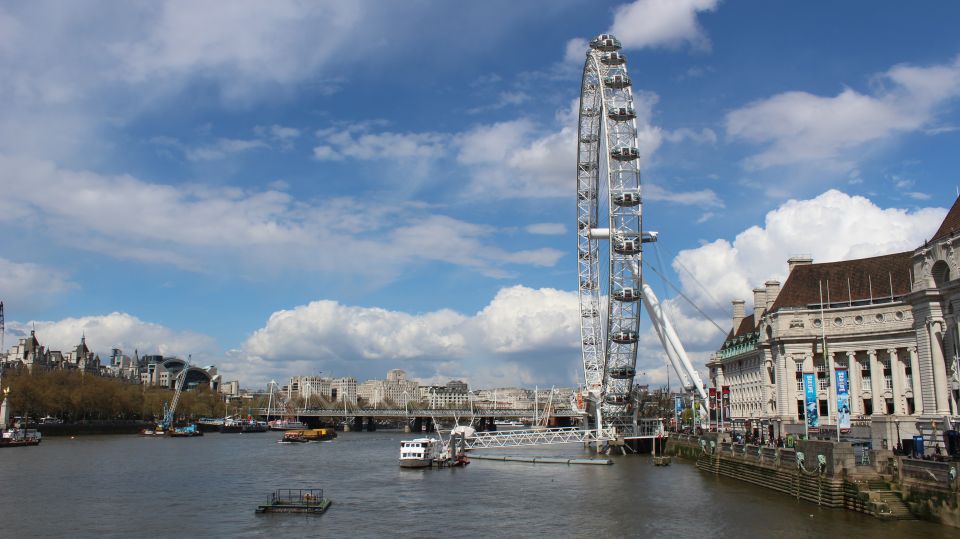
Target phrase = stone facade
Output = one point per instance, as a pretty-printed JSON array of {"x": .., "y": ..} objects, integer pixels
[
  {"x": 891, "y": 320},
  {"x": 396, "y": 390},
  {"x": 331, "y": 389}
]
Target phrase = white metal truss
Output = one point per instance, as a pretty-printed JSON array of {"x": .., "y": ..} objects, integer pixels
[
  {"x": 607, "y": 140},
  {"x": 517, "y": 438}
]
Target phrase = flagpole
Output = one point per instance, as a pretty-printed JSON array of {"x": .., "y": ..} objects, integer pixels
[{"x": 826, "y": 356}]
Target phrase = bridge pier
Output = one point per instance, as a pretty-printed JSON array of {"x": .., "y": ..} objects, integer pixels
[
  {"x": 371, "y": 425},
  {"x": 418, "y": 424},
  {"x": 357, "y": 424}
]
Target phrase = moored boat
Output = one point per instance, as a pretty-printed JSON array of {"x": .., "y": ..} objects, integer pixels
[
  {"x": 419, "y": 453},
  {"x": 210, "y": 424},
  {"x": 286, "y": 424},
  {"x": 243, "y": 425},
  {"x": 20, "y": 438},
  {"x": 185, "y": 431}
]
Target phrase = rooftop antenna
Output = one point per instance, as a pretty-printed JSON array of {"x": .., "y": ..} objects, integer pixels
[{"x": 2, "y": 329}]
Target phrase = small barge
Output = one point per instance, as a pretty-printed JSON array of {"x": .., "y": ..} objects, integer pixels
[
  {"x": 307, "y": 435},
  {"x": 300, "y": 500}
]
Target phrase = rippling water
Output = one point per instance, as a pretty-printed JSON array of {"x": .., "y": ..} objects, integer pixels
[{"x": 123, "y": 486}]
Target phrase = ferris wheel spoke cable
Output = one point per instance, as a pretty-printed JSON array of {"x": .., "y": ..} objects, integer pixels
[
  {"x": 703, "y": 288},
  {"x": 690, "y": 301}
]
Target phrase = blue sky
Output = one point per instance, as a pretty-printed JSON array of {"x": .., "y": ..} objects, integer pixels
[{"x": 291, "y": 187}]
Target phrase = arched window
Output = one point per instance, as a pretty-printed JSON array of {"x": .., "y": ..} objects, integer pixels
[{"x": 941, "y": 273}]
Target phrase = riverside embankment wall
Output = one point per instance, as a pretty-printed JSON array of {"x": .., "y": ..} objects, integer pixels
[
  {"x": 819, "y": 478},
  {"x": 930, "y": 489},
  {"x": 831, "y": 475}
]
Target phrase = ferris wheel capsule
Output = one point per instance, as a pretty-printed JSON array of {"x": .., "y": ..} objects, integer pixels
[
  {"x": 618, "y": 82},
  {"x": 622, "y": 114},
  {"x": 625, "y": 154},
  {"x": 613, "y": 59},
  {"x": 605, "y": 43}
]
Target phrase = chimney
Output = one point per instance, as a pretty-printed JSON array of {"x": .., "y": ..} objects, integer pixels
[
  {"x": 738, "y": 313},
  {"x": 800, "y": 260},
  {"x": 773, "y": 289},
  {"x": 759, "y": 304}
]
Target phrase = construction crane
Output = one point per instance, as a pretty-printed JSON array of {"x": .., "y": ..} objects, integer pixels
[{"x": 169, "y": 411}]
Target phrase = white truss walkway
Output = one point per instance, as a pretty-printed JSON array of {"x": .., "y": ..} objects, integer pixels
[
  {"x": 517, "y": 438},
  {"x": 646, "y": 428}
]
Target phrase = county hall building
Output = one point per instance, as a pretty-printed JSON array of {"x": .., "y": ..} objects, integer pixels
[{"x": 891, "y": 321}]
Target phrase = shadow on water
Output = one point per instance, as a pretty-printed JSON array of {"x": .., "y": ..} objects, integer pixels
[{"x": 123, "y": 486}]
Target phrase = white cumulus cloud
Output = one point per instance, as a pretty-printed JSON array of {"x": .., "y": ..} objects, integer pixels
[
  {"x": 24, "y": 285},
  {"x": 207, "y": 228},
  {"x": 833, "y": 226},
  {"x": 661, "y": 23},
  {"x": 120, "y": 330},
  {"x": 798, "y": 127},
  {"x": 523, "y": 335}
]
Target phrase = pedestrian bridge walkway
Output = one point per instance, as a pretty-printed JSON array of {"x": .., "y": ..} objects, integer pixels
[{"x": 646, "y": 428}]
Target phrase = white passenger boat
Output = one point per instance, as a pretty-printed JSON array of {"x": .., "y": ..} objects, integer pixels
[
  {"x": 419, "y": 453},
  {"x": 286, "y": 424}
]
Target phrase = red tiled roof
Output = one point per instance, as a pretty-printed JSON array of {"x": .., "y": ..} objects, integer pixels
[
  {"x": 951, "y": 223},
  {"x": 847, "y": 281},
  {"x": 747, "y": 325}
]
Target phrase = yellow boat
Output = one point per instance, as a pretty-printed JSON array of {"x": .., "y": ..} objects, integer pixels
[{"x": 311, "y": 435}]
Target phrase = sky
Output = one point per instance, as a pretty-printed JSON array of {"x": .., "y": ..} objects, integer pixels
[{"x": 285, "y": 188}]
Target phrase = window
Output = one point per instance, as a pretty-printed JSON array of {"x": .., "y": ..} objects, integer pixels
[
  {"x": 865, "y": 380},
  {"x": 908, "y": 375},
  {"x": 824, "y": 408},
  {"x": 889, "y": 406},
  {"x": 868, "y": 406},
  {"x": 823, "y": 376},
  {"x": 911, "y": 409},
  {"x": 800, "y": 410},
  {"x": 887, "y": 374}
]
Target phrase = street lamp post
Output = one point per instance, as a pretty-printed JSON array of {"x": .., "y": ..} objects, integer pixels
[{"x": 779, "y": 432}]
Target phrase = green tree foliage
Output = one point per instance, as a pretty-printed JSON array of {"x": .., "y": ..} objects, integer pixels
[{"x": 75, "y": 396}]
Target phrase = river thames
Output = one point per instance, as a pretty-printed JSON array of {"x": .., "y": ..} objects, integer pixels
[{"x": 124, "y": 486}]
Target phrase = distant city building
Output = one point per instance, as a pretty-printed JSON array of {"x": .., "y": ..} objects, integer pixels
[
  {"x": 515, "y": 398},
  {"x": 396, "y": 390},
  {"x": 231, "y": 388},
  {"x": 455, "y": 393},
  {"x": 30, "y": 354},
  {"x": 320, "y": 387},
  {"x": 163, "y": 371},
  {"x": 151, "y": 370}
]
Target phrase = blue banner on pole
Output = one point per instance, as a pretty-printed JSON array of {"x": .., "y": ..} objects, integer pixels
[
  {"x": 843, "y": 399},
  {"x": 678, "y": 405},
  {"x": 810, "y": 400}
]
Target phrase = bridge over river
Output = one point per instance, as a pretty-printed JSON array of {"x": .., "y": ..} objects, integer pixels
[{"x": 440, "y": 413}]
